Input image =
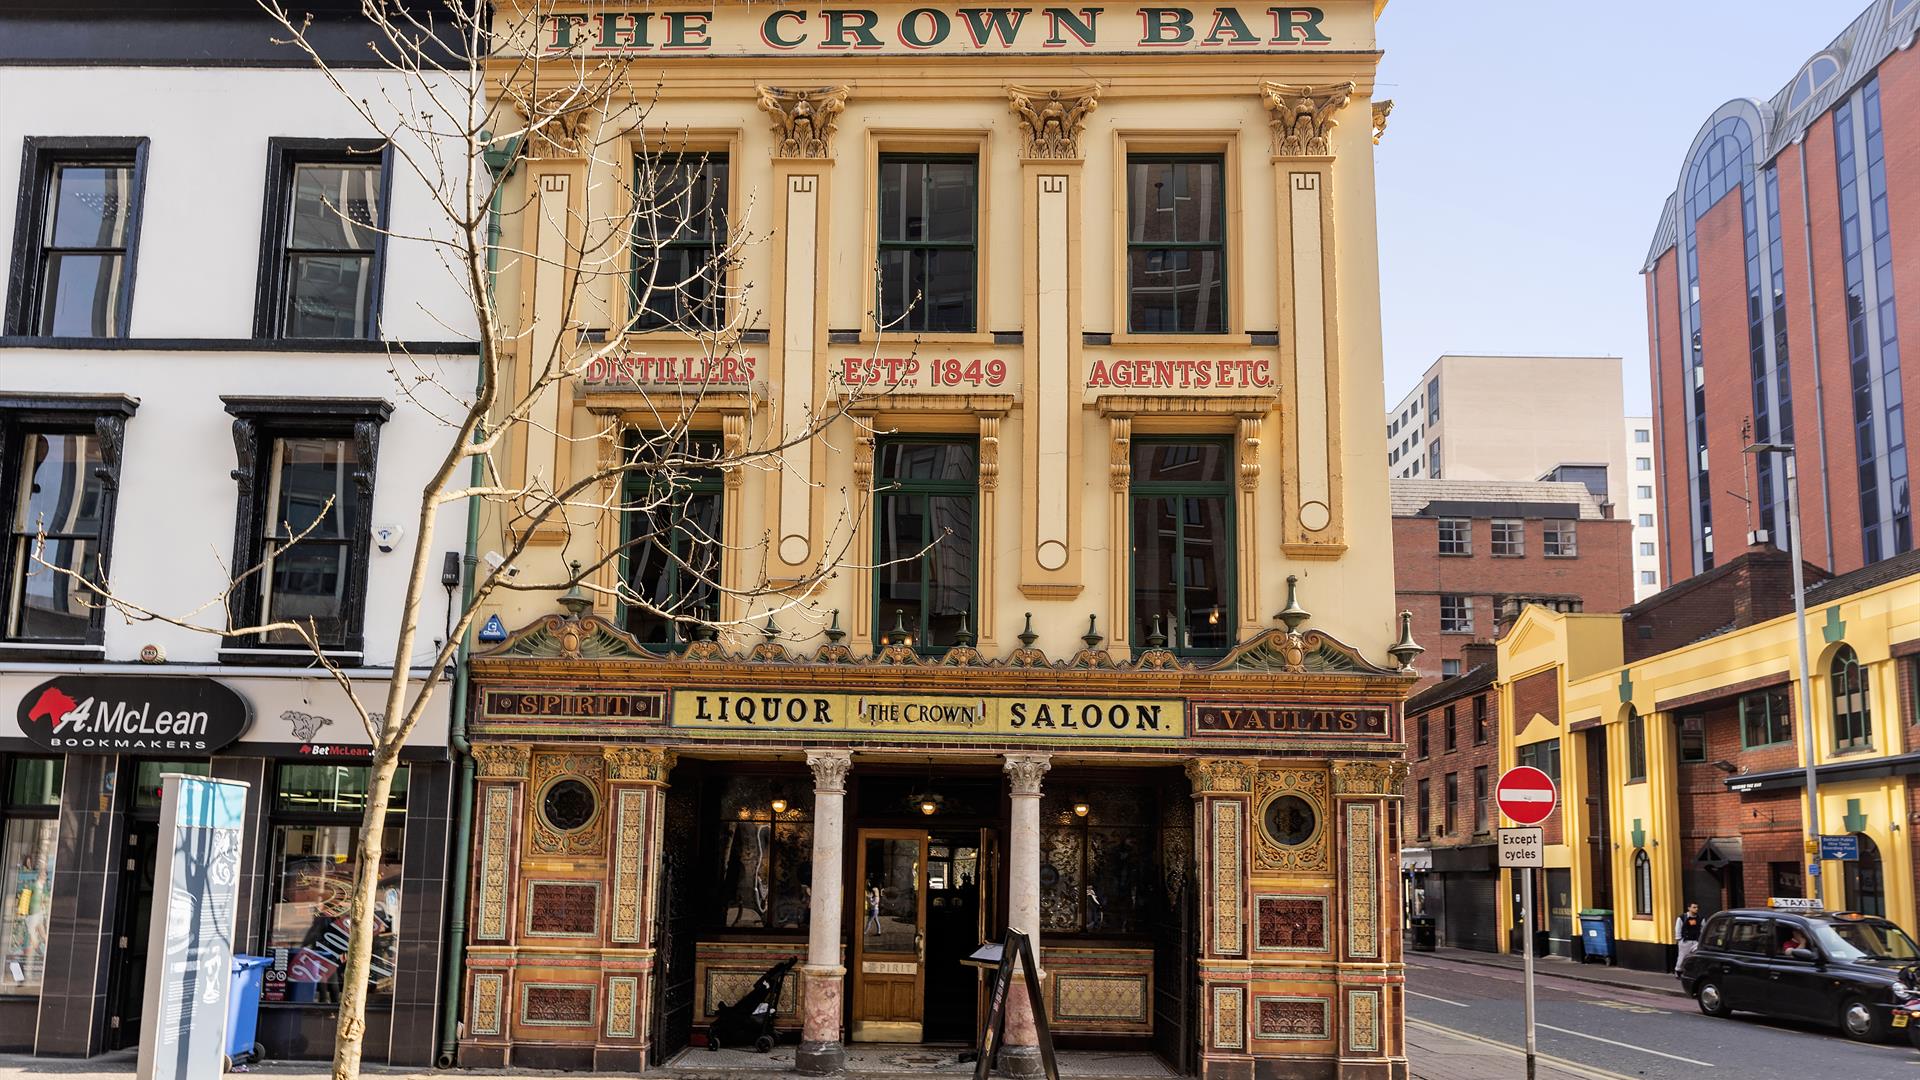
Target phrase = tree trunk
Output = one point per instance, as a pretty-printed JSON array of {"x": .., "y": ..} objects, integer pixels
[{"x": 350, "y": 1033}]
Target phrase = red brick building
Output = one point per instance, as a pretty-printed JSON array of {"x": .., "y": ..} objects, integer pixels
[
  {"x": 1453, "y": 749},
  {"x": 1468, "y": 555},
  {"x": 1782, "y": 279}
]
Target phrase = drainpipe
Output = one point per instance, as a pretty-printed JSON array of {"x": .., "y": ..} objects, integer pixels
[{"x": 498, "y": 162}]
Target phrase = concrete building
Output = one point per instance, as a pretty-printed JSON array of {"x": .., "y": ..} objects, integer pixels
[
  {"x": 196, "y": 378},
  {"x": 1514, "y": 418},
  {"x": 1683, "y": 737},
  {"x": 1109, "y": 720},
  {"x": 1643, "y": 506},
  {"x": 1470, "y": 555},
  {"x": 1778, "y": 295}
]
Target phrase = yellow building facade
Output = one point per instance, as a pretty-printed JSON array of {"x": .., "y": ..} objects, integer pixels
[
  {"x": 1681, "y": 771},
  {"x": 1078, "y": 309}
]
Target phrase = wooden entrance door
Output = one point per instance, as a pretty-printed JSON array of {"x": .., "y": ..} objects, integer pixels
[{"x": 889, "y": 945}]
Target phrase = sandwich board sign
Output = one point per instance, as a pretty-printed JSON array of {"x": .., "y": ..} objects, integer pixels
[{"x": 196, "y": 888}]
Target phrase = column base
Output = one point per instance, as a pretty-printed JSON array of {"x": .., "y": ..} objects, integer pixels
[
  {"x": 1021, "y": 1061},
  {"x": 820, "y": 1058}
]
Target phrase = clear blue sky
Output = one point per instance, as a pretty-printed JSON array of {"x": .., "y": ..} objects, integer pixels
[{"x": 1531, "y": 145}]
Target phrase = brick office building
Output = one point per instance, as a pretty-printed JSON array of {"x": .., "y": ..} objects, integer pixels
[
  {"x": 1453, "y": 746},
  {"x": 1776, "y": 299},
  {"x": 1469, "y": 555}
]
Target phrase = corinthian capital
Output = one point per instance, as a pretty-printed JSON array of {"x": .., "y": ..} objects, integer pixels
[
  {"x": 830, "y": 769},
  {"x": 1025, "y": 770},
  {"x": 1051, "y": 118},
  {"x": 1303, "y": 116},
  {"x": 803, "y": 120}
]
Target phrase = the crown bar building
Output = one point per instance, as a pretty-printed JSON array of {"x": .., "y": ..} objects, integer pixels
[{"x": 1127, "y": 331}]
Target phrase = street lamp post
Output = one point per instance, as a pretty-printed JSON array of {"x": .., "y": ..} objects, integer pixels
[{"x": 1786, "y": 452}]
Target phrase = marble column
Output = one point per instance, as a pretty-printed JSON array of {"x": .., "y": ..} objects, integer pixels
[
  {"x": 823, "y": 979},
  {"x": 1020, "y": 1053}
]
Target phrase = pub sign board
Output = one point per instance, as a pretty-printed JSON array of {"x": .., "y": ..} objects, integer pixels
[
  {"x": 148, "y": 715},
  {"x": 1319, "y": 720}
]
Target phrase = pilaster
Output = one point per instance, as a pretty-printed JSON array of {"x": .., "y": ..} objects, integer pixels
[
  {"x": 1371, "y": 978},
  {"x": 1222, "y": 795},
  {"x": 636, "y": 790}
]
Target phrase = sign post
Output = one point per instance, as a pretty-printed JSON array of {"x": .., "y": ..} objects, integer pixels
[
  {"x": 197, "y": 888},
  {"x": 1526, "y": 796}
]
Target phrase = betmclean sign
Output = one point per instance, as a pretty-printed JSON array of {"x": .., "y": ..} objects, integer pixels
[
  {"x": 133, "y": 714},
  {"x": 749, "y": 30},
  {"x": 775, "y": 713}
]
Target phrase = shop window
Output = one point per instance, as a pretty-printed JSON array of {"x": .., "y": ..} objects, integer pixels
[
  {"x": 76, "y": 237},
  {"x": 1766, "y": 718},
  {"x": 1456, "y": 536},
  {"x": 928, "y": 265},
  {"x": 1543, "y": 755},
  {"x": 764, "y": 856},
  {"x": 316, "y": 833},
  {"x": 61, "y": 462},
  {"x": 1176, "y": 244},
  {"x": 1852, "y": 711},
  {"x": 1509, "y": 536},
  {"x": 1786, "y": 879},
  {"x": 306, "y": 480},
  {"x": 672, "y": 542},
  {"x": 1480, "y": 798},
  {"x": 1099, "y": 871},
  {"x": 29, "y": 848},
  {"x": 1865, "y": 882},
  {"x": 1456, "y": 614},
  {"x": 679, "y": 243},
  {"x": 926, "y": 553},
  {"x": 1183, "y": 545},
  {"x": 1642, "y": 884},
  {"x": 323, "y": 247},
  {"x": 1557, "y": 539},
  {"x": 1692, "y": 739},
  {"x": 1636, "y": 746}
]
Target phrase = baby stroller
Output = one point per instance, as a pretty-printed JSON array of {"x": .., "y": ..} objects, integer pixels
[{"x": 749, "y": 1021}]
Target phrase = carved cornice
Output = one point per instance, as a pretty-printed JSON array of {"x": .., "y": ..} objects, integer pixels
[
  {"x": 1051, "y": 119},
  {"x": 499, "y": 761},
  {"x": 1381, "y": 110},
  {"x": 1303, "y": 116},
  {"x": 803, "y": 120},
  {"x": 643, "y": 763},
  {"x": 1174, "y": 404},
  {"x": 1369, "y": 777},
  {"x": 1231, "y": 776},
  {"x": 1024, "y": 772},
  {"x": 830, "y": 769}
]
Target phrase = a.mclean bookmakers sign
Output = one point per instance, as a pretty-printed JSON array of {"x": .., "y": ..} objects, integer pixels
[
  {"x": 133, "y": 714},
  {"x": 756, "y": 30}
]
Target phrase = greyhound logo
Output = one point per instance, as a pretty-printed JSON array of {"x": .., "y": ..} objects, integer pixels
[
  {"x": 53, "y": 706},
  {"x": 305, "y": 725}
]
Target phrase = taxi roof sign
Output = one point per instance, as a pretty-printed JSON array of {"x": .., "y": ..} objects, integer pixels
[{"x": 1793, "y": 903}]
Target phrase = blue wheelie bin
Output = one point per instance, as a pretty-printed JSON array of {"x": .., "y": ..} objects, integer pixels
[
  {"x": 1596, "y": 934},
  {"x": 243, "y": 1008}
]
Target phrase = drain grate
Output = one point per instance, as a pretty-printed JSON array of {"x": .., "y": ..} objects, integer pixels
[{"x": 920, "y": 1060}]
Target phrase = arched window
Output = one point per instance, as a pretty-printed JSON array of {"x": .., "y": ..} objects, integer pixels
[
  {"x": 1852, "y": 711},
  {"x": 1820, "y": 71},
  {"x": 1866, "y": 885},
  {"x": 1636, "y": 746},
  {"x": 1642, "y": 883}
]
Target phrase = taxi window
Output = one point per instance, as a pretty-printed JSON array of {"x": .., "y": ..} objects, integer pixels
[
  {"x": 1715, "y": 935},
  {"x": 1751, "y": 936}
]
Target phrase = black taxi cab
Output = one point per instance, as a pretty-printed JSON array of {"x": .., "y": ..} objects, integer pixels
[{"x": 1840, "y": 968}]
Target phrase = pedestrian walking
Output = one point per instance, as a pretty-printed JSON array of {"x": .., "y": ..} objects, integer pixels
[{"x": 1686, "y": 931}]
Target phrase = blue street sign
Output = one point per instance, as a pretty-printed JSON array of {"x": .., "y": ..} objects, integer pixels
[
  {"x": 1845, "y": 847},
  {"x": 493, "y": 630},
  {"x": 1814, "y": 869}
]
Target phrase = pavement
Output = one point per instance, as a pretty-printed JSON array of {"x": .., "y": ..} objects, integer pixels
[{"x": 1652, "y": 982}]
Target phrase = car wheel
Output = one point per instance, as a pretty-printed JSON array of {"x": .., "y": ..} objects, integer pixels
[
  {"x": 1712, "y": 1001},
  {"x": 1862, "y": 1021}
]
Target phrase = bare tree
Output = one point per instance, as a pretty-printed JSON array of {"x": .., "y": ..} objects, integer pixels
[{"x": 460, "y": 111}]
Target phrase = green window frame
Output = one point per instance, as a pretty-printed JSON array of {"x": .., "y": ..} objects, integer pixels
[
  {"x": 679, "y": 244},
  {"x": 1163, "y": 251},
  {"x": 916, "y": 254},
  {"x": 674, "y": 563},
  {"x": 1852, "y": 701},
  {"x": 1766, "y": 718},
  {"x": 939, "y": 563},
  {"x": 1190, "y": 629}
]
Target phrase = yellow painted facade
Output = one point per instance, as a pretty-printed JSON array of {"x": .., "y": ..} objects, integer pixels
[{"x": 1582, "y": 654}]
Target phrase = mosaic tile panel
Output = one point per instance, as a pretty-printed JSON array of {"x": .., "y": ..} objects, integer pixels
[
  {"x": 1290, "y": 923},
  {"x": 623, "y": 1013},
  {"x": 496, "y": 832},
  {"x": 628, "y": 840},
  {"x": 1291, "y": 1018},
  {"x": 1100, "y": 997},
  {"x": 557, "y": 1004},
  {"x": 486, "y": 1004},
  {"x": 1229, "y": 1020},
  {"x": 1363, "y": 880},
  {"x": 1228, "y": 826},
  {"x": 563, "y": 908},
  {"x": 1363, "y": 1021}
]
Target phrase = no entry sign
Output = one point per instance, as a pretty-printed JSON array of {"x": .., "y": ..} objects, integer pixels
[{"x": 1526, "y": 795}]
